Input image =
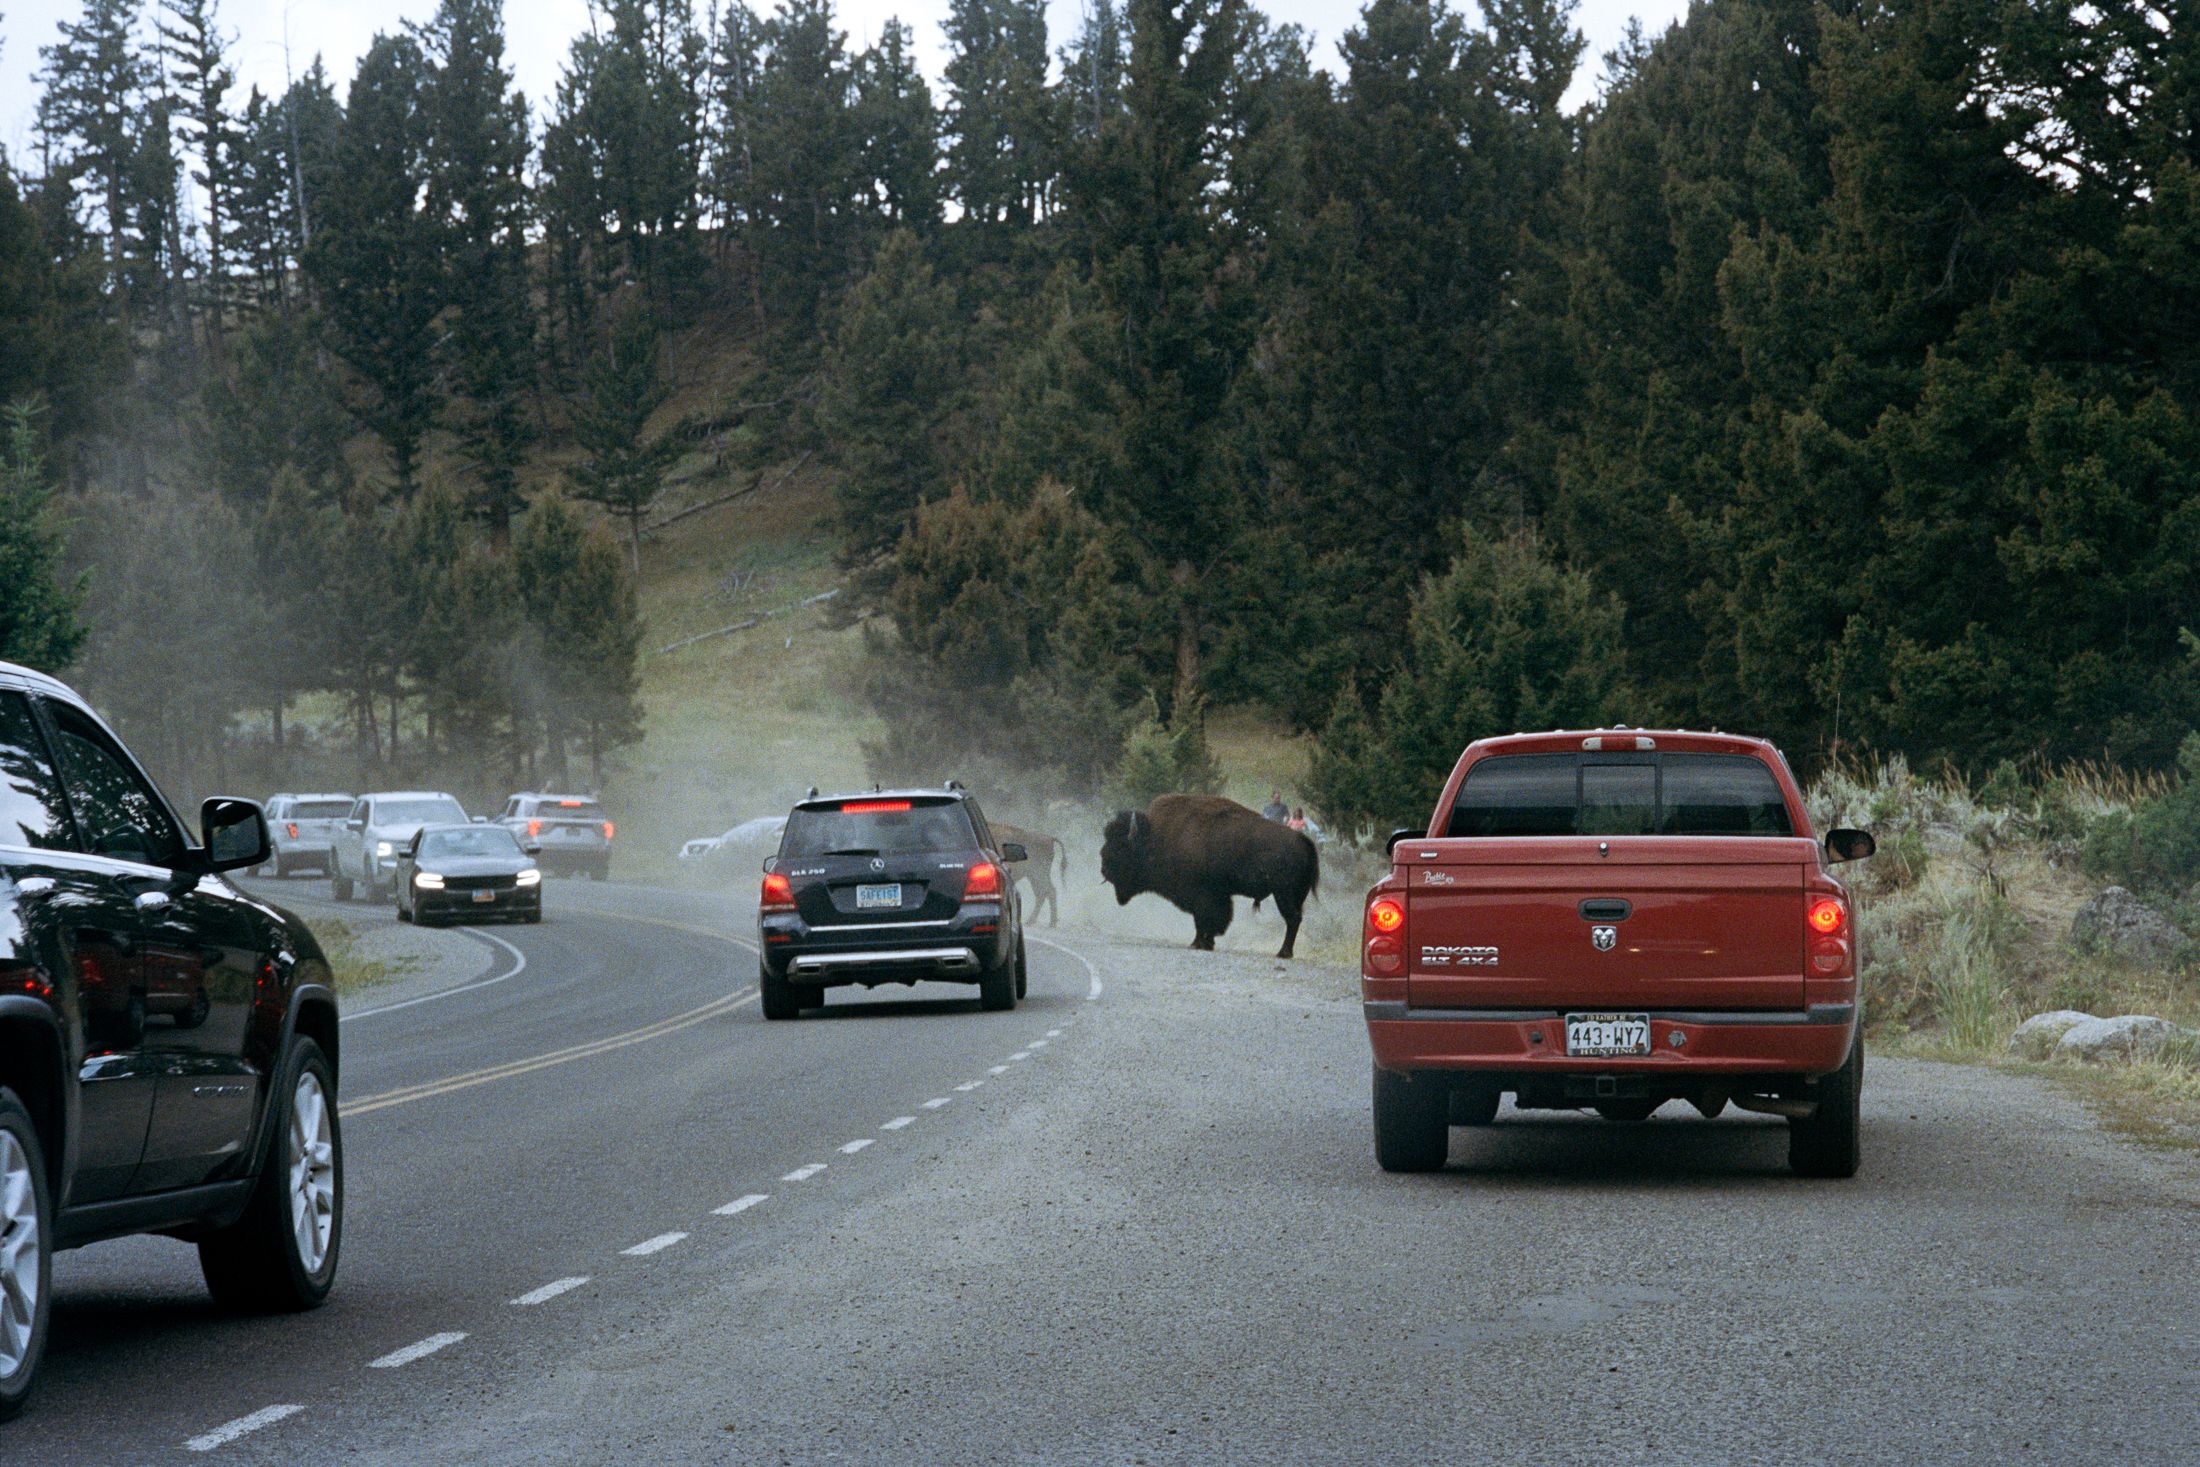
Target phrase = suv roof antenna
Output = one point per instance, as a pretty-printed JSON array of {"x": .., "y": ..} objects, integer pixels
[
  {"x": 955, "y": 784},
  {"x": 812, "y": 794}
]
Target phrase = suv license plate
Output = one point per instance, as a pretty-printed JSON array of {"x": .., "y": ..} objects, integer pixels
[
  {"x": 887, "y": 895},
  {"x": 1598, "y": 1036}
]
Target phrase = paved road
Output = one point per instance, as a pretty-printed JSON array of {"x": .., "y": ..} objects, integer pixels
[{"x": 1142, "y": 1227}]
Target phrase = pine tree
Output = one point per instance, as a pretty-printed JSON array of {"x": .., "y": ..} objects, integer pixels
[
  {"x": 197, "y": 55},
  {"x": 1092, "y": 71},
  {"x": 898, "y": 133},
  {"x": 581, "y": 638},
  {"x": 475, "y": 162},
  {"x": 624, "y": 386},
  {"x": 94, "y": 81},
  {"x": 374, "y": 253},
  {"x": 1000, "y": 158},
  {"x": 38, "y": 616},
  {"x": 806, "y": 157}
]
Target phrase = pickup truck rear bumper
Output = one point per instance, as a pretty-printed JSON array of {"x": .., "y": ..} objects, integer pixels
[{"x": 1683, "y": 1044}]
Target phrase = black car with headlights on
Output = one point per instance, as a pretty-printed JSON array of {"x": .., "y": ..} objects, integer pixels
[
  {"x": 896, "y": 886},
  {"x": 466, "y": 873}
]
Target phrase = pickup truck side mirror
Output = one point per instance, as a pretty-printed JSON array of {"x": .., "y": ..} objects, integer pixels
[
  {"x": 1014, "y": 851},
  {"x": 355, "y": 824},
  {"x": 1390, "y": 846},
  {"x": 1849, "y": 845},
  {"x": 234, "y": 833}
]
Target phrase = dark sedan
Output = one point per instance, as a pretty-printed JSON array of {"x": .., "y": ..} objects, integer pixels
[{"x": 466, "y": 873}]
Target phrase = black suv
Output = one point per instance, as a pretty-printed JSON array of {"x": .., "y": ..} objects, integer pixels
[
  {"x": 889, "y": 887},
  {"x": 167, "y": 1043}
]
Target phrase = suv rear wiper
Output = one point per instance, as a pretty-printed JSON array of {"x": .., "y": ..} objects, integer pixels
[{"x": 854, "y": 851}]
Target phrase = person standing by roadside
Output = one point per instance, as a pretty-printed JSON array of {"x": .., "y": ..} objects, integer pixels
[
  {"x": 1298, "y": 819},
  {"x": 1276, "y": 809}
]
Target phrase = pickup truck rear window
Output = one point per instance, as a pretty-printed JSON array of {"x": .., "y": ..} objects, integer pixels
[{"x": 1639, "y": 794}]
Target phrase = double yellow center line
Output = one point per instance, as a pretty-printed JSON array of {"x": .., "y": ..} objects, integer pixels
[{"x": 450, "y": 1084}]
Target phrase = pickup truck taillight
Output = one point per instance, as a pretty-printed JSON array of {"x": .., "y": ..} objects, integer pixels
[
  {"x": 609, "y": 830},
  {"x": 1828, "y": 918},
  {"x": 1383, "y": 940},
  {"x": 778, "y": 893},
  {"x": 292, "y": 827}
]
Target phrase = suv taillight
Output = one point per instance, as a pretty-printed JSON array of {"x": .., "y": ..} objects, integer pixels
[
  {"x": 609, "y": 830},
  {"x": 534, "y": 828},
  {"x": 1828, "y": 921},
  {"x": 984, "y": 881},
  {"x": 1383, "y": 945},
  {"x": 778, "y": 894}
]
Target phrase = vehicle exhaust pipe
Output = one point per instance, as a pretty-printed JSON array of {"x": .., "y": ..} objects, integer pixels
[{"x": 1794, "y": 1110}]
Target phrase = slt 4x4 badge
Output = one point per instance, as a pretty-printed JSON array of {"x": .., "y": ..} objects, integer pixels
[{"x": 1458, "y": 957}]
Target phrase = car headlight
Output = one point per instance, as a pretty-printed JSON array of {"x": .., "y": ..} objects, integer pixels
[
  {"x": 384, "y": 848},
  {"x": 428, "y": 880},
  {"x": 532, "y": 876}
]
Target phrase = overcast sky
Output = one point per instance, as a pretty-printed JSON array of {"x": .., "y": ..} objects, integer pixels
[{"x": 538, "y": 32}]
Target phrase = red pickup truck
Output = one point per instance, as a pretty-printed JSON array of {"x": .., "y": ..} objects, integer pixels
[{"x": 1611, "y": 919}]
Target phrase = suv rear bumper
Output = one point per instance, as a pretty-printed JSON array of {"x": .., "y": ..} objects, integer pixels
[
  {"x": 960, "y": 951},
  {"x": 1525, "y": 1042}
]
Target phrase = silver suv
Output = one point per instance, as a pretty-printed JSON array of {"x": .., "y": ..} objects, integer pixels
[
  {"x": 301, "y": 829},
  {"x": 571, "y": 829},
  {"x": 363, "y": 856}
]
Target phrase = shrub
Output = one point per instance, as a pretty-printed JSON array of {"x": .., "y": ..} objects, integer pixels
[
  {"x": 1168, "y": 757},
  {"x": 2153, "y": 848}
]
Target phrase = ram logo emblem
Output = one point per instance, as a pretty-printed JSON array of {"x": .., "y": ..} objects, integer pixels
[{"x": 1604, "y": 939}]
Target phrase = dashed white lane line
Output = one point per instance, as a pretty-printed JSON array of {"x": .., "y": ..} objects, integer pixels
[
  {"x": 1021, "y": 1054},
  {"x": 974, "y": 1084},
  {"x": 898, "y": 1122},
  {"x": 550, "y": 1291},
  {"x": 855, "y": 1146},
  {"x": 1054, "y": 1033},
  {"x": 938, "y": 1101},
  {"x": 998, "y": 1070},
  {"x": 417, "y": 1351},
  {"x": 657, "y": 1244},
  {"x": 229, "y": 1431},
  {"x": 1038, "y": 1044},
  {"x": 1094, "y": 991},
  {"x": 740, "y": 1204},
  {"x": 804, "y": 1173}
]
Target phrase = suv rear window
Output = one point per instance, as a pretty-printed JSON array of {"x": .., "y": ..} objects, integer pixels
[
  {"x": 1636, "y": 794},
  {"x": 570, "y": 810},
  {"x": 318, "y": 809},
  {"x": 879, "y": 826}
]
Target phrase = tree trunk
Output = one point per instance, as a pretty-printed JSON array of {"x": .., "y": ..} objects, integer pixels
[{"x": 1188, "y": 670}]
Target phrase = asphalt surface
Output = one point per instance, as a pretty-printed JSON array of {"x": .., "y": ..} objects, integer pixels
[{"x": 1145, "y": 1226}]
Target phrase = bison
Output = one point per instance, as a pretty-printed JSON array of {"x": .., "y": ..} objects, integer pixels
[
  {"x": 1199, "y": 851},
  {"x": 1046, "y": 854}
]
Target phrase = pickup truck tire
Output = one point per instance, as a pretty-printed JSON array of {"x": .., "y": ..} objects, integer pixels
[
  {"x": 1412, "y": 1123},
  {"x": 26, "y": 1253},
  {"x": 273, "y": 1258},
  {"x": 997, "y": 987},
  {"x": 1474, "y": 1105},
  {"x": 777, "y": 996},
  {"x": 339, "y": 885},
  {"x": 1826, "y": 1144}
]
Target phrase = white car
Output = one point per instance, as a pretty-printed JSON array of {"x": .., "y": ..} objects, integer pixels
[{"x": 759, "y": 834}]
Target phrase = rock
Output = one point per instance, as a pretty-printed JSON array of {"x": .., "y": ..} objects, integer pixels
[
  {"x": 2037, "y": 1036},
  {"x": 2118, "y": 923},
  {"x": 2125, "y": 1037}
]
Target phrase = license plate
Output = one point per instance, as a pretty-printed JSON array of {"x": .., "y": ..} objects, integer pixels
[
  {"x": 1599, "y": 1035},
  {"x": 887, "y": 894},
  {"x": 484, "y": 896}
]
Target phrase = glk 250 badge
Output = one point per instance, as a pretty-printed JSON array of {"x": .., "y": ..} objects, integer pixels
[{"x": 1458, "y": 957}]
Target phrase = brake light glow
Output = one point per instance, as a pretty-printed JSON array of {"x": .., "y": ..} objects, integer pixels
[
  {"x": 778, "y": 894},
  {"x": 571, "y": 804},
  {"x": 608, "y": 830},
  {"x": 1386, "y": 915},
  {"x": 873, "y": 807},
  {"x": 292, "y": 827},
  {"x": 984, "y": 881},
  {"x": 534, "y": 828},
  {"x": 1828, "y": 916}
]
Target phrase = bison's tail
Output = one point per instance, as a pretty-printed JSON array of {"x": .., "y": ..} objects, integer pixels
[{"x": 1314, "y": 874}]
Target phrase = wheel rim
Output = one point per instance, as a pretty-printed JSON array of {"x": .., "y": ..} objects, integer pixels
[
  {"x": 312, "y": 1173},
  {"x": 19, "y": 1252}
]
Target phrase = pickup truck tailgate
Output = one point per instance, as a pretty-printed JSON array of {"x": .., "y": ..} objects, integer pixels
[{"x": 1689, "y": 922}]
